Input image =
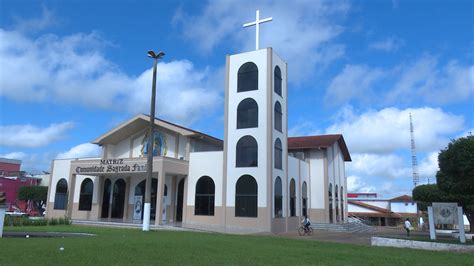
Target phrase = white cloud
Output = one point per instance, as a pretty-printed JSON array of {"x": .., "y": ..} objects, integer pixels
[
  {"x": 422, "y": 80},
  {"x": 356, "y": 184},
  {"x": 388, "y": 130},
  {"x": 31, "y": 136},
  {"x": 80, "y": 151},
  {"x": 388, "y": 44},
  {"x": 302, "y": 32},
  {"x": 74, "y": 70},
  {"x": 34, "y": 24},
  {"x": 14, "y": 155},
  {"x": 428, "y": 167},
  {"x": 383, "y": 166}
]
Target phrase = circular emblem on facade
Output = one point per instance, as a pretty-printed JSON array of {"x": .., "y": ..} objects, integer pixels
[{"x": 445, "y": 212}]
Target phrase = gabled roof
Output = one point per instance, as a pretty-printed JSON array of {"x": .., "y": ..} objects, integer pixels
[
  {"x": 141, "y": 121},
  {"x": 319, "y": 141},
  {"x": 370, "y": 207},
  {"x": 404, "y": 198}
]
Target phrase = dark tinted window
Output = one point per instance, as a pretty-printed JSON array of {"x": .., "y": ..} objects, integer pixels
[
  {"x": 278, "y": 198},
  {"x": 85, "y": 198},
  {"x": 278, "y": 117},
  {"x": 278, "y": 154},
  {"x": 247, "y": 152},
  {"x": 205, "y": 193},
  {"x": 247, "y": 77},
  {"x": 60, "y": 198},
  {"x": 246, "y": 196},
  {"x": 247, "y": 113},
  {"x": 277, "y": 80},
  {"x": 292, "y": 198},
  {"x": 304, "y": 192}
]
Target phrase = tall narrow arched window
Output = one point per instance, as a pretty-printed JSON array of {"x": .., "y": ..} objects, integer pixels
[
  {"x": 204, "y": 199},
  {"x": 60, "y": 198},
  {"x": 278, "y": 198},
  {"x": 304, "y": 201},
  {"x": 336, "y": 191},
  {"x": 246, "y": 196},
  {"x": 247, "y": 114},
  {"x": 292, "y": 198},
  {"x": 106, "y": 198},
  {"x": 247, "y": 152},
  {"x": 330, "y": 203},
  {"x": 85, "y": 197},
  {"x": 342, "y": 204},
  {"x": 247, "y": 79},
  {"x": 278, "y": 117},
  {"x": 278, "y": 154},
  {"x": 277, "y": 80}
]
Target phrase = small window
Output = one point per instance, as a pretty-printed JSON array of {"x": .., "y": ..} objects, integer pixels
[
  {"x": 247, "y": 79},
  {"x": 292, "y": 198},
  {"x": 247, "y": 152},
  {"x": 60, "y": 198},
  {"x": 85, "y": 197},
  {"x": 246, "y": 196},
  {"x": 278, "y": 154},
  {"x": 247, "y": 114},
  {"x": 278, "y": 198},
  {"x": 277, "y": 80},
  {"x": 205, "y": 194},
  {"x": 278, "y": 117}
]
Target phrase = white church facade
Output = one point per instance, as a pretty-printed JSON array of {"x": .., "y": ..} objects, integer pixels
[{"x": 255, "y": 180}]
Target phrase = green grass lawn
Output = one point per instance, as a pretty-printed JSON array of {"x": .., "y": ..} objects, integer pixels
[{"x": 113, "y": 246}]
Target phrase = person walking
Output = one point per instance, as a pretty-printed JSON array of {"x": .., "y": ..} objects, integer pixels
[{"x": 407, "y": 226}]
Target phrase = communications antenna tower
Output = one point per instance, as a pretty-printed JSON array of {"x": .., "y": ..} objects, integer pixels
[{"x": 414, "y": 163}]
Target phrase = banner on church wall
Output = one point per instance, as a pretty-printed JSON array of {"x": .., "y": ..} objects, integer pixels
[
  {"x": 445, "y": 213},
  {"x": 137, "y": 208}
]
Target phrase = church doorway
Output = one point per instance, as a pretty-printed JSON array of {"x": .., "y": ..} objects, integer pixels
[
  {"x": 118, "y": 199},
  {"x": 179, "y": 203},
  {"x": 106, "y": 199},
  {"x": 140, "y": 191}
]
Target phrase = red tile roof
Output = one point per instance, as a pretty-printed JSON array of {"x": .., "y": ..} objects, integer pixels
[
  {"x": 320, "y": 141},
  {"x": 404, "y": 198}
]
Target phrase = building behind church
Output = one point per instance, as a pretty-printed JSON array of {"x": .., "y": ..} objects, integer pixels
[{"x": 255, "y": 180}]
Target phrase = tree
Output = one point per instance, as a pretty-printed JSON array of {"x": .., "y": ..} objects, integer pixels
[
  {"x": 37, "y": 194},
  {"x": 456, "y": 174},
  {"x": 425, "y": 194}
]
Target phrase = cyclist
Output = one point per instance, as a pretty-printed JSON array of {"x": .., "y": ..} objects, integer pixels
[{"x": 306, "y": 223}]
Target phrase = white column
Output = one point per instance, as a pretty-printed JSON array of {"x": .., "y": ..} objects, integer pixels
[
  {"x": 431, "y": 223},
  {"x": 462, "y": 234}
]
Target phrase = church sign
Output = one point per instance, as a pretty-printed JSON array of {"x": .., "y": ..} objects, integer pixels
[
  {"x": 445, "y": 213},
  {"x": 112, "y": 166}
]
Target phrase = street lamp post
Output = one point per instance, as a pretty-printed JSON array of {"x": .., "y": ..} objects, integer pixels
[{"x": 149, "y": 168}]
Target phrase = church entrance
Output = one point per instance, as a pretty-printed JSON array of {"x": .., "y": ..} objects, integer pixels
[
  {"x": 106, "y": 199},
  {"x": 140, "y": 191},
  {"x": 118, "y": 199},
  {"x": 179, "y": 203}
]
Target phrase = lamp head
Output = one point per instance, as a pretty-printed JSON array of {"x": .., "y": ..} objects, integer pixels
[
  {"x": 155, "y": 56},
  {"x": 151, "y": 54}
]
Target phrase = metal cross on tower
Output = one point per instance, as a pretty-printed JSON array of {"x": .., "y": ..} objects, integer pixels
[{"x": 257, "y": 23}]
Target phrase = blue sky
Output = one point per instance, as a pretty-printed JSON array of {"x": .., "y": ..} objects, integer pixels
[{"x": 71, "y": 70}]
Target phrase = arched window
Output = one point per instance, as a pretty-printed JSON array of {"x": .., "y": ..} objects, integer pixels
[
  {"x": 205, "y": 193},
  {"x": 336, "y": 191},
  {"x": 246, "y": 196},
  {"x": 342, "y": 204},
  {"x": 247, "y": 114},
  {"x": 278, "y": 154},
  {"x": 330, "y": 203},
  {"x": 85, "y": 198},
  {"x": 60, "y": 198},
  {"x": 278, "y": 198},
  {"x": 278, "y": 117},
  {"x": 277, "y": 80},
  {"x": 118, "y": 198},
  {"x": 247, "y": 79},
  {"x": 247, "y": 152},
  {"x": 304, "y": 192},
  {"x": 292, "y": 198}
]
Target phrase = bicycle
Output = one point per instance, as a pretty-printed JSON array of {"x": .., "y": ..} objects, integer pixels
[{"x": 303, "y": 231}]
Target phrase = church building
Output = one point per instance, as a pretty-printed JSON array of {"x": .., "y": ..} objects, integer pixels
[{"x": 255, "y": 180}]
